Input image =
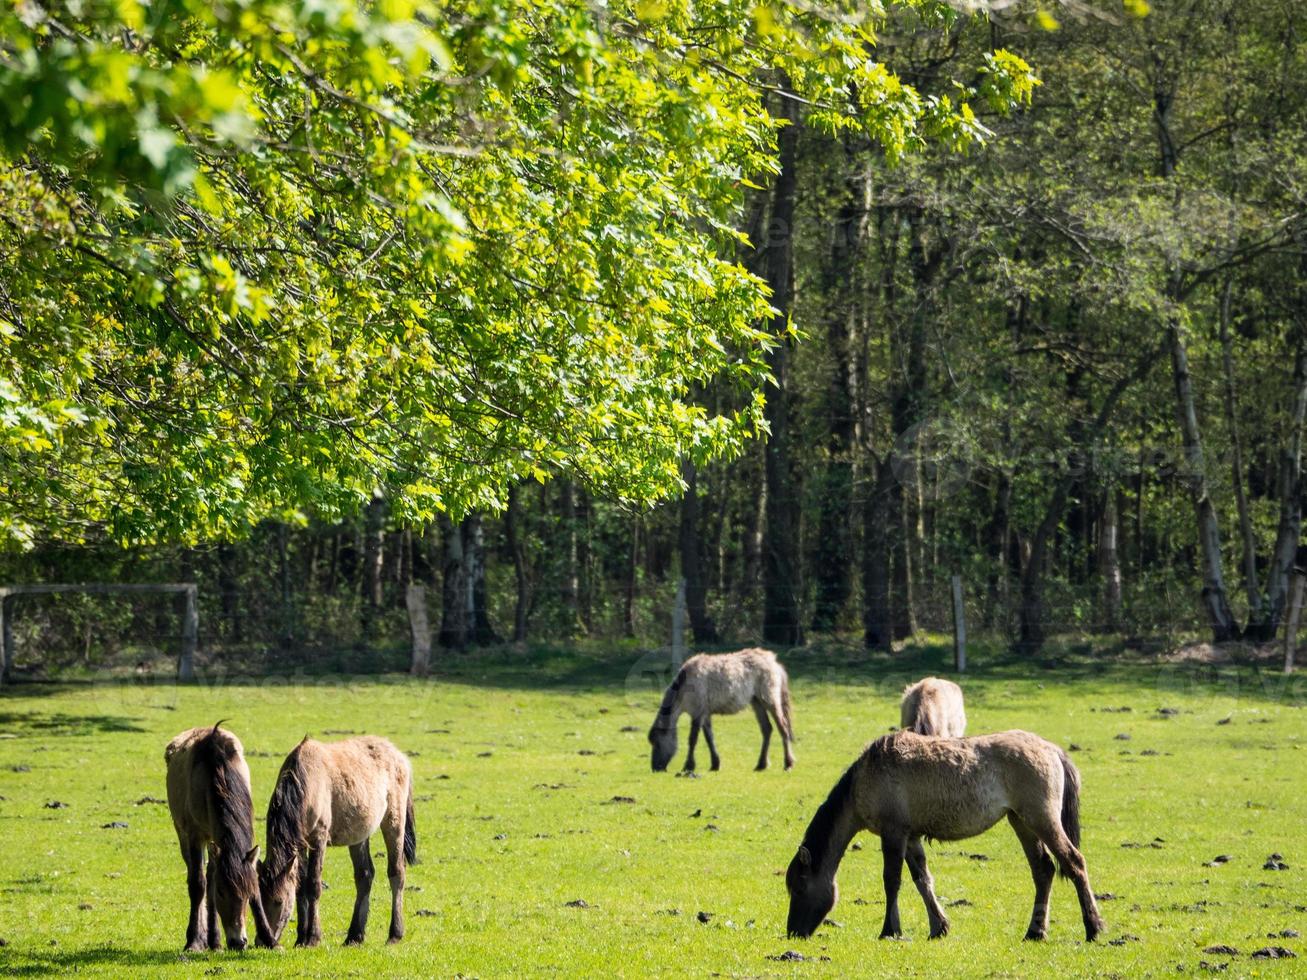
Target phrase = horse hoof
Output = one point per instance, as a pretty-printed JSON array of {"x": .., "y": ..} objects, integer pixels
[
  {"x": 1034, "y": 937},
  {"x": 307, "y": 943},
  {"x": 393, "y": 939},
  {"x": 353, "y": 940},
  {"x": 760, "y": 767},
  {"x": 716, "y": 766},
  {"x": 196, "y": 947}
]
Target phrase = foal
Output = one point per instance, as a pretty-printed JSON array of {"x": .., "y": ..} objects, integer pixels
[
  {"x": 906, "y": 786},
  {"x": 722, "y": 684},
  {"x": 337, "y": 794},
  {"x": 933, "y": 707},
  {"x": 209, "y": 797}
]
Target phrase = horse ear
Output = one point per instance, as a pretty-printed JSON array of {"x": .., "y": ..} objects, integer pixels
[
  {"x": 805, "y": 857},
  {"x": 253, "y": 855}
]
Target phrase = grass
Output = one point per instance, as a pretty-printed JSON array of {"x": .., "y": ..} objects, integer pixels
[{"x": 519, "y": 759}]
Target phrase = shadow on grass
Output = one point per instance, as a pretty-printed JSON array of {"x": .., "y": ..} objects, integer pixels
[
  {"x": 624, "y": 667},
  {"x": 41, "y": 963},
  {"x": 59, "y": 724}
]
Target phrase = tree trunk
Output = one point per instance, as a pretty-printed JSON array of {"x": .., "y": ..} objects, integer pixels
[
  {"x": 373, "y": 561},
  {"x": 1289, "y": 488},
  {"x": 1194, "y": 477},
  {"x": 453, "y": 588},
  {"x": 480, "y": 631},
  {"x": 877, "y": 622},
  {"x": 517, "y": 548},
  {"x": 571, "y": 585},
  {"x": 1251, "y": 583},
  {"x": 1109, "y": 561},
  {"x": 834, "y": 550},
  {"x": 632, "y": 581},
  {"x": 701, "y": 624},
  {"x": 780, "y": 549}
]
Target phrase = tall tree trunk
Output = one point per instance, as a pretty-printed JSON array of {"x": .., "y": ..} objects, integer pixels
[
  {"x": 453, "y": 588},
  {"x": 877, "y": 621},
  {"x": 780, "y": 549},
  {"x": 517, "y": 548},
  {"x": 1109, "y": 561},
  {"x": 834, "y": 549},
  {"x": 1251, "y": 583},
  {"x": 227, "y": 586},
  {"x": 474, "y": 575},
  {"x": 1194, "y": 477},
  {"x": 283, "y": 574},
  {"x": 571, "y": 585},
  {"x": 1289, "y": 485},
  {"x": 701, "y": 624},
  {"x": 632, "y": 581},
  {"x": 373, "y": 561},
  {"x": 1000, "y": 537}
]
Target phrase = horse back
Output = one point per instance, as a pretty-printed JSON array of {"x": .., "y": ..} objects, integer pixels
[
  {"x": 353, "y": 785},
  {"x": 190, "y": 781}
]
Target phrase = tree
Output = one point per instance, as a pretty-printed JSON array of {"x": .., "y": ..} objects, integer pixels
[{"x": 266, "y": 259}]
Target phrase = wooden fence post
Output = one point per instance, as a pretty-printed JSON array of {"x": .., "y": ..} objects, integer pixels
[
  {"x": 959, "y": 628},
  {"x": 1295, "y": 615},
  {"x": 415, "y": 598},
  {"x": 190, "y": 633}
]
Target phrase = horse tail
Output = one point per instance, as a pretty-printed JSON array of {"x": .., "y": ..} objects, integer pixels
[
  {"x": 785, "y": 703},
  {"x": 410, "y": 830},
  {"x": 1070, "y": 801}
]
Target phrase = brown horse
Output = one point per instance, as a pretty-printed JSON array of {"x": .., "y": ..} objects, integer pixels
[
  {"x": 209, "y": 796},
  {"x": 337, "y": 794},
  {"x": 907, "y": 786}
]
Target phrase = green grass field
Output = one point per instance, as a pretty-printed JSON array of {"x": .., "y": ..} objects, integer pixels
[{"x": 519, "y": 760}]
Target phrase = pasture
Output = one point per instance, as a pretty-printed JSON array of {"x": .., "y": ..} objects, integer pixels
[{"x": 549, "y": 848}]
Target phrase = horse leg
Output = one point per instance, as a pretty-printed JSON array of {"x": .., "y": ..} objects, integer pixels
[
  {"x": 783, "y": 723},
  {"x": 1041, "y": 869},
  {"x": 916, "y": 855},
  {"x": 213, "y": 932},
  {"x": 764, "y": 723},
  {"x": 712, "y": 745},
  {"x": 694, "y": 740},
  {"x": 361, "y": 855},
  {"x": 894, "y": 850},
  {"x": 393, "y": 831},
  {"x": 1072, "y": 864},
  {"x": 312, "y": 885},
  {"x": 197, "y": 927}
]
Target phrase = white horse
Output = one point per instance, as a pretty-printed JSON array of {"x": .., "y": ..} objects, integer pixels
[{"x": 722, "y": 684}]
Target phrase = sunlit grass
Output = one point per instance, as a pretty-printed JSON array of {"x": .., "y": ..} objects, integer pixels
[{"x": 521, "y": 761}]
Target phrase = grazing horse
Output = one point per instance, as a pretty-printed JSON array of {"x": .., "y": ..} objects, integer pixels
[
  {"x": 906, "y": 786},
  {"x": 933, "y": 707},
  {"x": 337, "y": 794},
  {"x": 209, "y": 797},
  {"x": 722, "y": 684}
]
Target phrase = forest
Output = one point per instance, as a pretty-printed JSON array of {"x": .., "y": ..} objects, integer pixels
[{"x": 1032, "y": 313}]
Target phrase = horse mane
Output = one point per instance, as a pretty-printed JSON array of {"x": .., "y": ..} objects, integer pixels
[
  {"x": 669, "y": 698},
  {"x": 286, "y": 816},
  {"x": 817, "y": 837},
  {"x": 231, "y": 810}
]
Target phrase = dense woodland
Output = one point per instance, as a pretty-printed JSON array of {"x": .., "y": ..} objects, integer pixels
[{"x": 1067, "y": 363}]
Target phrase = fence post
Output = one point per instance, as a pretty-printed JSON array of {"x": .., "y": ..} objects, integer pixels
[
  {"x": 190, "y": 632},
  {"x": 415, "y": 598},
  {"x": 678, "y": 627},
  {"x": 1295, "y": 614},
  {"x": 959, "y": 628}
]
